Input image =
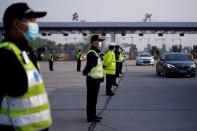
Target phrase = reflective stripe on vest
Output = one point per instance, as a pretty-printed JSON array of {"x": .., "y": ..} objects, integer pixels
[
  {"x": 18, "y": 104},
  {"x": 97, "y": 71},
  {"x": 30, "y": 111},
  {"x": 28, "y": 119}
]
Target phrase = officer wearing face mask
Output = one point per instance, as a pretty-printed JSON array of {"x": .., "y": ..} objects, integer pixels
[
  {"x": 94, "y": 76},
  {"x": 24, "y": 103}
]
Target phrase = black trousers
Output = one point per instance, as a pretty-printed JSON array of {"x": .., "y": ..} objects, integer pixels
[
  {"x": 11, "y": 128},
  {"x": 50, "y": 65},
  {"x": 121, "y": 64},
  {"x": 118, "y": 64},
  {"x": 109, "y": 82},
  {"x": 93, "y": 86},
  {"x": 78, "y": 65}
]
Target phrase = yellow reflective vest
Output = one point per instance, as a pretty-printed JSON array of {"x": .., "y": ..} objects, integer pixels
[
  {"x": 31, "y": 111},
  {"x": 50, "y": 57},
  {"x": 78, "y": 56},
  {"x": 109, "y": 61},
  {"x": 97, "y": 71},
  {"x": 121, "y": 57}
]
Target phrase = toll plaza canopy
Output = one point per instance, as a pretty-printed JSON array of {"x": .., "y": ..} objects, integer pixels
[{"x": 117, "y": 27}]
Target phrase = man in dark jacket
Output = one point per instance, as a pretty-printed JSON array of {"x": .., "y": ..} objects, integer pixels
[
  {"x": 14, "y": 80},
  {"x": 94, "y": 72}
]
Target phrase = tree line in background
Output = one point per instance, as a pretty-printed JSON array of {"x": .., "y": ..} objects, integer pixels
[
  {"x": 61, "y": 51},
  {"x": 60, "y": 48},
  {"x": 69, "y": 49}
]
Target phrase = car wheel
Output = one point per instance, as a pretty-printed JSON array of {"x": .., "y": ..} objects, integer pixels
[{"x": 193, "y": 75}]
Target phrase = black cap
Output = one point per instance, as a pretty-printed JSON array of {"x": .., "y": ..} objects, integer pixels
[
  {"x": 95, "y": 38},
  {"x": 19, "y": 11}
]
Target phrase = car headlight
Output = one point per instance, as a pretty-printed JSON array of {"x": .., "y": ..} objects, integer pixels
[
  {"x": 170, "y": 66},
  {"x": 193, "y": 66}
]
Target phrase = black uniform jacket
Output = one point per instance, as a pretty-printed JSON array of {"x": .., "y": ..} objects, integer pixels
[
  {"x": 13, "y": 78},
  {"x": 92, "y": 61}
]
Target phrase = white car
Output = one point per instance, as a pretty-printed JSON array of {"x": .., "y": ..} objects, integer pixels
[{"x": 145, "y": 59}]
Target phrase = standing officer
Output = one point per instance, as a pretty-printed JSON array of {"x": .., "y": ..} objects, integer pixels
[
  {"x": 78, "y": 57},
  {"x": 50, "y": 59},
  {"x": 121, "y": 58},
  {"x": 109, "y": 64},
  {"x": 24, "y": 103},
  {"x": 94, "y": 72},
  {"x": 117, "y": 74}
]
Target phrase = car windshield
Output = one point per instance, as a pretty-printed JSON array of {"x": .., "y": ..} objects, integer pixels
[
  {"x": 145, "y": 55},
  {"x": 177, "y": 57}
]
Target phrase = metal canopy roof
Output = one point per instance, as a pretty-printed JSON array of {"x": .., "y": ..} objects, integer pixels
[{"x": 117, "y": 27}]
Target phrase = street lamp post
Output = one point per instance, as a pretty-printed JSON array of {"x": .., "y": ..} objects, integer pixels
[
  {"x": 131, "y": 54},
  {"x": 148, "y": 39},
  {"x": 161, "y": 39},
  {"x": 132, "y": 38},
  {"x": 163, "y": 46},
  {"x": 180, "y": 41},
  {"x": 72, "y": 38}
]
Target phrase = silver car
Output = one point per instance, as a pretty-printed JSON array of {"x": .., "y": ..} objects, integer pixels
[{"x": 145, "y": 59}]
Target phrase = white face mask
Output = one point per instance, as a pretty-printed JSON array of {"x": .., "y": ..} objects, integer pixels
[
  {"x": 33, "y": 31},
  {"x": 99, "y": 44}
]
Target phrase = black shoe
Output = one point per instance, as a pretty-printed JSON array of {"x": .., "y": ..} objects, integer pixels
[
  {"x": 115, "y": 84},
  {"x": 110, "y": 94},
  {"x": 94, "y": 120},
  {"x": 98, "y": 117}
]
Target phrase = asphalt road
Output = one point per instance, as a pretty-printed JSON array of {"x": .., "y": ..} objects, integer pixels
[{"x": 143, "y": 100}]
